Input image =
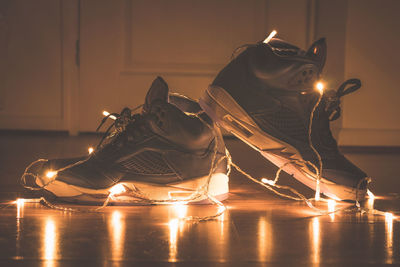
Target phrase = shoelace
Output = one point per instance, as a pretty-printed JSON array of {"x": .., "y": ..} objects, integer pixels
[
  {"x": 121, "y": 120},
  {"x": 332, "y": 98},
  {"x": 330, "y": 111}
]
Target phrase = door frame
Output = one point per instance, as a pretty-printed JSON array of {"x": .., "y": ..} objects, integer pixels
[{"x": 70, "y": 64}]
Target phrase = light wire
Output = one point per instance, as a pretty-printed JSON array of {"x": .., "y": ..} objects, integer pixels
[{"x": 203, "y": 191}]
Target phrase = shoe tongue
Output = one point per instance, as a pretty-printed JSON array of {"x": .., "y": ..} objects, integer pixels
[{"x": 158, "y": 92}]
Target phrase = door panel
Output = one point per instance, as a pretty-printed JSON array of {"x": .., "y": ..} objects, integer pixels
[
  {"x": 126, "y": 44},
  {"x": 31, "y": 78}
]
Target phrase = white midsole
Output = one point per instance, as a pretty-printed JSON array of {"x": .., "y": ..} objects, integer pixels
[
  {"x": 183, "y": 191},
  {"x": 328, "y": 188}
]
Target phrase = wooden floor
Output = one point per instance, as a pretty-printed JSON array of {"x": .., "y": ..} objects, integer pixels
[{"x": 258, "y": 229}]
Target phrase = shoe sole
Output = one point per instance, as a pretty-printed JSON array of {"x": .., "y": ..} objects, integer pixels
[
  {"x": 139, "y": 193},
  {"x": 228, "y": 114}
]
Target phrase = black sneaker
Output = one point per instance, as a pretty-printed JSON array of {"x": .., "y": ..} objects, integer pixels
[
  {"x": 165, "y": 153},
  {"x": 265, "y": 97}
]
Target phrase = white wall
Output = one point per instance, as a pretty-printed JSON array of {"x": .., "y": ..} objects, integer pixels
[
  {"x": 121, "y": 51},
  {"x": 363, "y": 41},
  {"x": 372, "y": 115}
]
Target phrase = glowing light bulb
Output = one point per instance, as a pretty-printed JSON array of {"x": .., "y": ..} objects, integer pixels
[
  {"x": 370, "y": 195},
  {"x": 320, "y": 87},
  {"x": 20, "y": 207},
  {"x": 106, "y": 113},
  {"x": 51, "y": 174},
  {"x": 331, "y": 205},
  {"x": 331, "y": 208},
  {"x": 317, "y": 191},
  {"x": 90, "y": 150},
  {"x": 388, "y": 216},
  {"x": 20, "y": 201},
  {"x": 267, "y": 181},
  {"x": 270, "y": 36},
  {"x": 180, "y": 209},
  {"x": 117, "y": 189}
]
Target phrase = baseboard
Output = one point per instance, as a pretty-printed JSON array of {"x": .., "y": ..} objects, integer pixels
[{"x": 369, "y": 137}]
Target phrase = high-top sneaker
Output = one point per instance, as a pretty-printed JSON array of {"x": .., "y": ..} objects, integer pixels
[
  {"x": 161, "y": 155},
  {"x": 265, "y": 97}
]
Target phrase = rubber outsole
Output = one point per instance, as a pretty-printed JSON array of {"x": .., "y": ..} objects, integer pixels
[{"x": 228, "y": 114}]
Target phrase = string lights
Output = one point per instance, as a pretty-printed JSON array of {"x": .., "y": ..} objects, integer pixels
[
  {"x": 51, "y": 174},
  {"x": 203, "y": 192},
  {"x": 370, "y": 194},
  {"x": 320, "y": 87},
  {"x": 270, "y": 36},
  {"x": 107, "y": 114},
  {"x": 118, "y": 189}
]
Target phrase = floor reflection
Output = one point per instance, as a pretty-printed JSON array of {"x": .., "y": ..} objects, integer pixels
[
  {"x": 223, "y": 227},
  {"x": 265, "y": 239},
  {"x": 331, "y": 208},
  {"x": 116, "y": 230},
  {"x": 315, "y": 234},
  {"x": 389, "y": 237},
  {"x": 50, "y": 242},
  {"x": 20, "y": 214},
  {"x": 173, "y": 239},
  {"x": 175, "y": 225},
  {"x": 20, "y": 202}
]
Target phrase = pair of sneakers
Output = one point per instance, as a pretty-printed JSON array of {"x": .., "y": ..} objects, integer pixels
[{"x": 173, "y": 149}]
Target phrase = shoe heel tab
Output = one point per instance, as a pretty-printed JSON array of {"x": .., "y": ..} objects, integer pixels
[{"x": 318, "y": 52}]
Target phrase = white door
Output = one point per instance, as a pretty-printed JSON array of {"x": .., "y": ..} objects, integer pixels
[
  {"x": 50, "y": 81},
  {"x": 31, "y": 91},
  {"x": 126, "y": 44}
]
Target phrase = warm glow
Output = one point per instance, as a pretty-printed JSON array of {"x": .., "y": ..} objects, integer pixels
[
  {"x": 388, "y": 216},
  {"x": 51, "y": 174},
  {"x": 389, "y": 237},
  {"x": 106, "y": 113},
  {"x": 180, "y": 209},
  {"x": 90, "y": 150},
  {"x": 117, "y": 235},
  {"x": 370, "y": 203},
  {"x": 317, "y": 191},
  {"x": 331, "y": 208},
  {"x": 117, "y": 189},
  {"x": 370, "y": 194},
  {"x": 20, "y": 201},
  {"x": 175, "y": 225},
  {"x": 267, "y": 181},
  {"x": 371, "y": 200},
  {"x": 265, "y": 242},
  {"x": 49, "y": 240},
  {"x": 270, "y": 36},
  {"x": 173, "y": 236},
  {"x": 179, "y": 195},
  {"x": 315, "y": 240},
  {"x": 331, "y": 205},
  {"x": 20, "y": 205},
  {"x": 320, "y": 87}
]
